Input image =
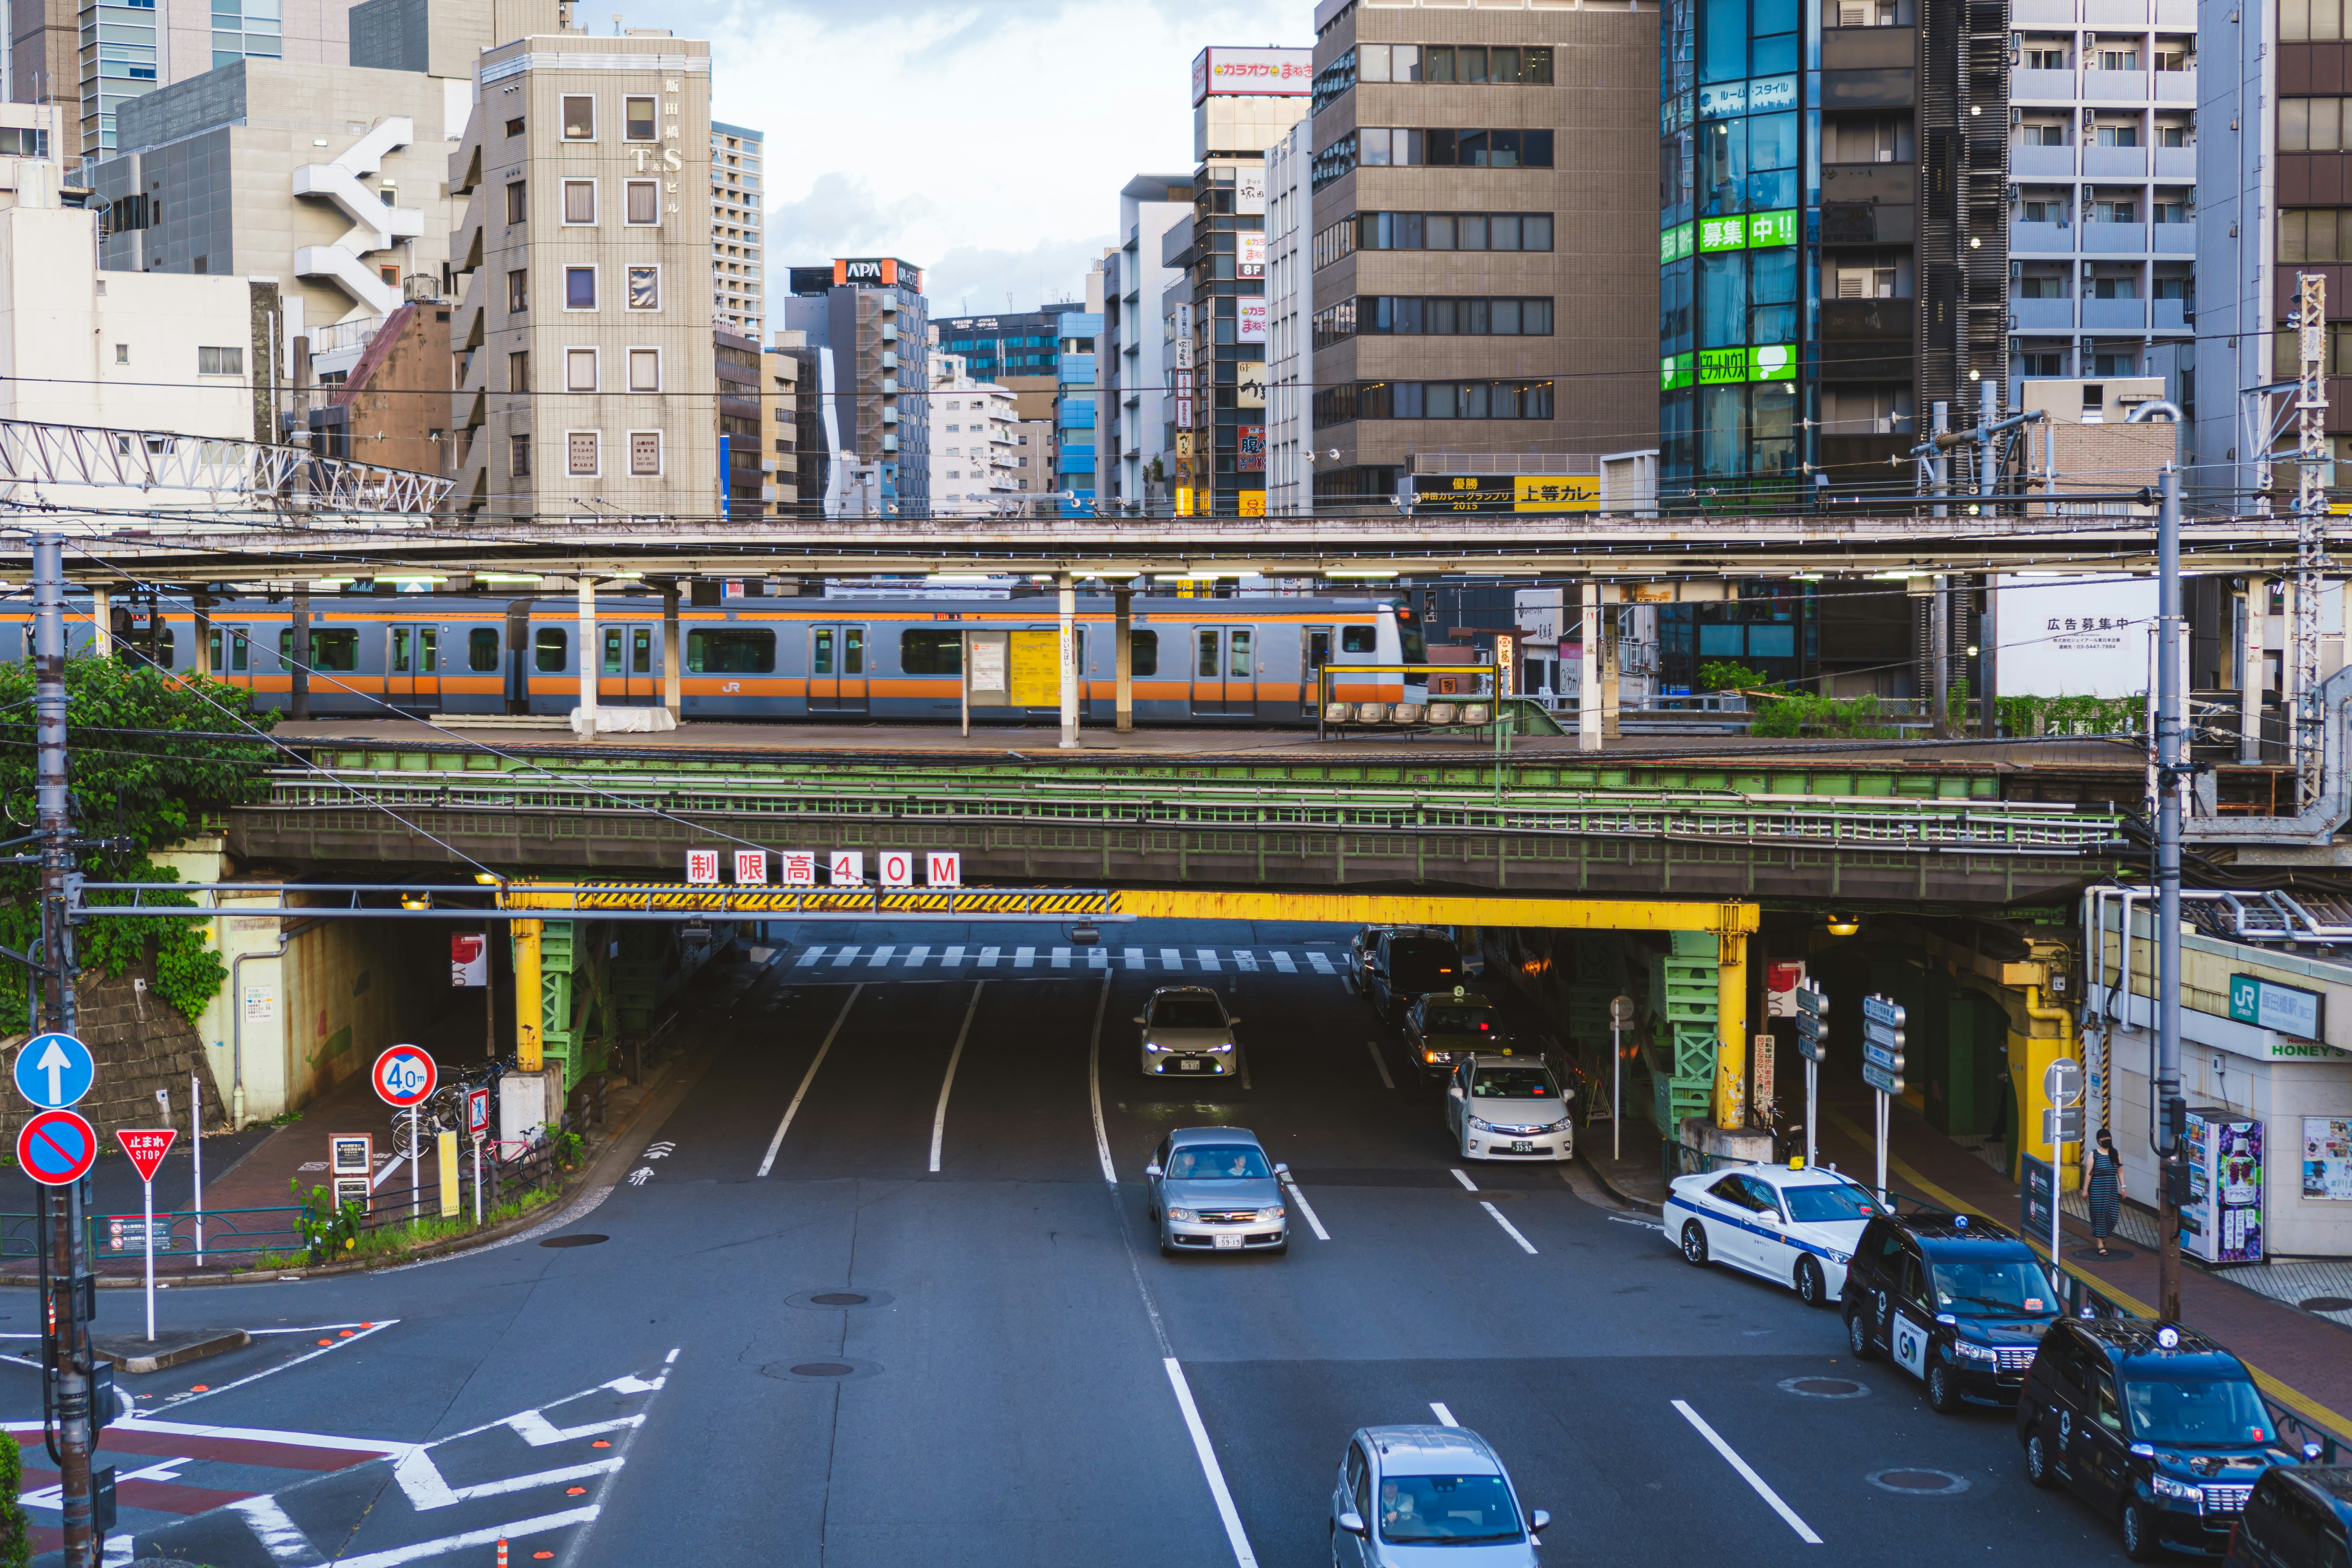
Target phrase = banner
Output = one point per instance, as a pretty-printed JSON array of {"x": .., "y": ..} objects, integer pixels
[{"x": 469, "y": 960}]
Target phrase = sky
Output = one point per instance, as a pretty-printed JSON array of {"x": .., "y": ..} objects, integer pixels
[{"x": 985, "y": 143}]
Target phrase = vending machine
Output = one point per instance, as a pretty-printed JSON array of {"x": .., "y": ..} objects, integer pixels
[{"x": 2222, "y": 1220}]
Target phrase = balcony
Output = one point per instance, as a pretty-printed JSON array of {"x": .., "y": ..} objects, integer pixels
[
  {"x": 2176, "y": 86},
  {"x": 2115, "y": 163},
  {"x": 2034, "y": 162},
  {"x": 2172, "y": 239},
  {"x": 2040, "y": 86},
  {"x": 2044, "y": 14},
  {"x": 2043, "y": 238},
  {"x": 2114, "y": 315},
  {"x": 2115, "y": 238},
  {"x": 2171, "y": 315},
  {"x": 2117, "y": 87},
  {"x": 2044, "y": 315},
  {"x": 2176, "y": 163}
]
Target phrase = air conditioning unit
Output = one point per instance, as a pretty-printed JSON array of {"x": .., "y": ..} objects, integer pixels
[{"x": 421, "y": 288}]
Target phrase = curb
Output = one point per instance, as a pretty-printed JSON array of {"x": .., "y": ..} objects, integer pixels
[{"x": 1611, "y": 1188}]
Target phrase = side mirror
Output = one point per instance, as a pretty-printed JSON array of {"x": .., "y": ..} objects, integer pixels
[
  {"x": 1232, "y": 1020},
  {"x": 1353, "y": 1522},
  {"x": 1151, "y": 1170},
  {"x": 1454, "y": 1090},
  {"x": 1539, "y": 1518},
  {"x": 1280, "y": 1169},
  {"x": 1139, "y": 1017}
]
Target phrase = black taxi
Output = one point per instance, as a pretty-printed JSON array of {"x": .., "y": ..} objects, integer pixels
[
  {"x": 2158, "y": 1427},
  {"x": 1953, "y": 1300},
  {"x": 2299, "y": 1516}
]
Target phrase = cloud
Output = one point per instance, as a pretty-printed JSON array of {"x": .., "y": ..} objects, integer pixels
[
  {"x": 974, "y": 280},
  {"x": 841, "y": 216}
]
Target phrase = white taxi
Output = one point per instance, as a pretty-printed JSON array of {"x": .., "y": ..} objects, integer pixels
[{"x": 1787, "y": 1224}]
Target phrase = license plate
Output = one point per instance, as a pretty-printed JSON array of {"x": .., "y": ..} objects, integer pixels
[
  {"x": 1229, "y": 1244},
  {"x": 1187, "y": 1067},
  {"x": 1521, "y": 1146}
]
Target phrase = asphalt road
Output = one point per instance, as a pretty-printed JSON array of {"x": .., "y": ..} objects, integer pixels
[{"x": 1012, "y": 1389}]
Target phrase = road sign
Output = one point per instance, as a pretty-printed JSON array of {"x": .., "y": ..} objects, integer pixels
[
  {"x": 405, "y": 1076},
  {"x": 2062, "y": 1080},
  {"x": 1621, "y": 1012},
  {"x": 1880, "y": 1056},
  {"x": 1879, "y": 1010},
  {"x": 54, "y": 1071},
  {"x": 1813, "y": 1049},
  {"x": 477, "y": 1111},
  {"x": 1812, "y": 1002},
  {"x": 1879, "y": 1035},
  {"x": 57, "y": 1148},
  {"x": 1810, "y": 1026},
  {"x": 146, "y": 1146},
  {"x": 1879, "y": 1079},
  {"x": 2062, "y": 1125}
]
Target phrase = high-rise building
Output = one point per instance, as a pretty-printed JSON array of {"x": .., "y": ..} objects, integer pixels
[
  {"x": 1075, "y": 403},
  {"x": 798, "y": 455},
  {"x": 1133, "y": 357},
  {"x": 1019, "y": 349},
  {"x": 973, "y": 469},
  {"x": 738, "y": 293},
  {"x": 742, "y": 466},
  {"x": 1288, "y": 388},
  {"x": 583, "y": 323},
  {"x": 869, "y": 316}
]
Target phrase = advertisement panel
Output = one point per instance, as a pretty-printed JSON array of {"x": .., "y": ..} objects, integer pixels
[
  {"x": 1249, "y": 453},
  {"x": 1253, "y": 321},
  {"x": 1556, "y": 493},
  {"x": 1249, "y": 189},
  {"x": 1222, "y": 73},
  {"x": 1183, "y": 399},
  {"x": 1252, "y": 262},
  {"x": 1249, "y": 384},
  {"x": 2328, "y": 1158},
  {"x": 2074, "y": 637}
]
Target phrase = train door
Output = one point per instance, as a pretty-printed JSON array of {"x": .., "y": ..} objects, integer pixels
[
  {"x": 1225, "y": 672},
  {"x": 836, "y": 669},
  {"x": 411, "y": 667},
  {"x": 232, "y": 653},
  {"x": 629, "y": 680},
  {"x": 517, "y": 682},
  {"x": 1314, "y": 654}
]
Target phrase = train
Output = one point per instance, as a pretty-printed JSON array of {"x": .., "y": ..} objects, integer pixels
[{"x": 1196, "y": 661}]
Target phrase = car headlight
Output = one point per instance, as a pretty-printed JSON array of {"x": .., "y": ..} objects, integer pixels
[
  {"x": 1226, "y": 1047},
  {"x": 1966, "y": 1352},
  {"x": 2186, "y": 1491},
  {"x": 1188, "y": 1217},
  {"x": 1268, "y": 1216},
  {"x": 1559, "y": 1126},
  {"x": 1481, "y": 1126},
  {"x": 1153, "y": 1045}
]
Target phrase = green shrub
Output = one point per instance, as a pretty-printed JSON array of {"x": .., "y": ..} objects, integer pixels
[{"x": 15, "y": 1529}]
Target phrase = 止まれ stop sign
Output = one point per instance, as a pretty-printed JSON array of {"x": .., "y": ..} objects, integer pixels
[
  {"x": 57, "y": 1148},
  {"x": 146, "y": 1146},
  {"x": 405, "y": 1076}
]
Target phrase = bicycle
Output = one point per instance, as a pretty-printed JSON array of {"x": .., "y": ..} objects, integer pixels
[{"x": 443, "y": 1110}]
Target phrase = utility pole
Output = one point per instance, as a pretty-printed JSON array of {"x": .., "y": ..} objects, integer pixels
[
  {"x": 2310, "y": 531},
  {"x": 67, "y": 1424},
  {"x": 2171, "y": 1109}
]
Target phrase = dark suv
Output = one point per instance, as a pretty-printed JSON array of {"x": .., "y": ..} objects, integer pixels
[
  {"x": 1955, "y": 1300},
  {"x": 2299, "y": 1516},
  {"x": 1411, "y": 961},
  {"x": 2159, "y": 1427}
]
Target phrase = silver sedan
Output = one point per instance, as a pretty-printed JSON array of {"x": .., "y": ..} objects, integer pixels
[
  {"x": 1213, "y": 1190},
  {"x": 1410, "y": 1495},
  {"x": 1185, "y": 1032}
]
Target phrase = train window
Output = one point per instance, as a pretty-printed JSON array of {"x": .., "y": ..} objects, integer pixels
[
  {"x": 330, "y": 649},
  {"x": 1145, "y": 652},
  {"x": 1409, "y": 638},
  {"x": 1359, "y": 640},
  {"x": 237, "y": 652},
  {"x": 730, "y": 652},
  {"x": 1206, "y": 665},
  {"x": 166, "y": 652},
  {"x": 482, "y": 648},
  {"x": 551, "y": 644},
  {"x": 931, "y": 653}
]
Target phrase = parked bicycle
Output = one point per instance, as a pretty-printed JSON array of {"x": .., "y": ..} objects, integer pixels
[{"x": 445, "y": 1110}]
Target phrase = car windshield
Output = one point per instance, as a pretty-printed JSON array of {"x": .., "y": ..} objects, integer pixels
[
  {"x": 1424, "y": 956},
  {"x": 2015, "y": 1286},
  {"x": 1828, "y": 1203},
  {"x": 2197, "y": 1410},
  {"x": 1453, "y": 1020},
  {"x": 1447, "y": 1508},
  {"x": 1188, "y": 1012},
  {"x": 1513, "y": 1083},
  {"x": 1217, "y": 1163}
]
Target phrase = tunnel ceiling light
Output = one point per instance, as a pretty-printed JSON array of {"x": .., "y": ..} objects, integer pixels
[{"x": 1844, "y": 925}]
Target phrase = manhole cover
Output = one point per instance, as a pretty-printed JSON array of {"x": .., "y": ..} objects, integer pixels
[
  {"x": 826, "y": 1370},
  {"x": 574, "y": 1240},
  {"x": 1823, "y": 1387},
  {"x": 1912, "y": 1481},
  {"x": 837, "y": 1298},
  {"x": 823, "y": 1369},
  {"x": 2326, "y": 1303}
]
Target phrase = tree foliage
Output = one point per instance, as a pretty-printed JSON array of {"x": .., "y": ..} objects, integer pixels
[
  {"x": 1841, "y": 718},
  {"x": 148, "y": 754},
  {"x": 1731, "y": 675}
]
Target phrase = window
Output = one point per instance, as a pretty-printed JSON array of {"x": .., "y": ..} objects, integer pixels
[
  {"x": 645, "y": 201},
  {"x": 579, "y": 201},
  {"x": 220, "y": 362},
  {"x": 550, "y": 647},
  {"x": 24, "y": 141},
  {"x": 730, "y": 652},
  {"x": 482, "y": 648},
  {"x": 238, "y": 651},
  {"x": 638, "y": 117},
  {"x": 2041, "y": 288},
  {"x": 1359, "y": 640},
  {"x": 645, "y": 370},
  {"x": 331, "y": 649},
  {"x": 582, "y": 458},
  {"x": 122, "y": 354},
  {"x": 2119, "y": 59},
  {"x": 646, "y": 453},
  {"x": 1450, "y": 231},
  {"x": 517, "y": 292},
  {"x": 2118, "y": 136},
  {"x": 2311, "y": 21},
  {"x": 579, "y": 288},
  {"x": 519, "y": 456},
  {"x": 1412, "y": 315},
  {"x": 2311, "y": 124},
  {"x": 518, "y": 209},
  {"x": 518, "y": 372},
  {"x": 1433, "y": 400},
  {"x": 1143, "y": 653},
  {"x": 2315, "y": 234},
  {"x": 514, "y": 127},
  {"x": 2046, "y": 59},
  {"x": 931, "y": 653},
  {"x": 644, "y": 288},
  {"x": 580, "y": 118},
  {"x": 579, "y": 370}
]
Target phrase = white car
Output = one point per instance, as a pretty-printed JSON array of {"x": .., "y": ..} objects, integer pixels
[
  {"x": 1796, "y": 1227},
  {"x": 1508, "y": 1108}
]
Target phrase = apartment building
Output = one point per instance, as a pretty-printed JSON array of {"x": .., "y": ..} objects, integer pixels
[
  {"x": 1075, "y": 403},
  {"x": 743, "y": 466},
  {"x": 798, "y": 453},
  {"x": 869, "y": 314},
  {"x": 737, "y": 292},
  {"x": 1133, "y": 365},
  {"x": 1018, "y": 350},
  {"x": 973, "y": 469},
  {"x": 584, "y": 323},
  {"x": 1288, "y": 386}
]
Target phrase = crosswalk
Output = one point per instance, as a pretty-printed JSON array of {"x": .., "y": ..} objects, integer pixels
[{"x": 823, "y": 958}]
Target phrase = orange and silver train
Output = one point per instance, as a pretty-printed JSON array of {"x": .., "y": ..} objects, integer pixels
[{"x": 1224, "y": 661}]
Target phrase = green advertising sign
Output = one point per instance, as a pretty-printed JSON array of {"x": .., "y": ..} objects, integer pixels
[
  {"x": 1722, "y": 367},
  {"x": 1673, "y": 372},
  {"x": 1775, "y": 362},
  {"x": 1673, "y": 244},
  {"x": 1722, "y": 234},
  {"x": 1767, "y": 229}
]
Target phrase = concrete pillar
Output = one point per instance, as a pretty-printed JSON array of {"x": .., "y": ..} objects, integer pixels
[
  {"x": 670, "y": 666},
  {"x": 1589, "y": 679},
  {"x": 2289, "y": 697},
  {"x": 1940, "y": 657},
  {"x": 1609, "y": 687},
  {"x": 297, "y": 700},
  {"x": 1731, "y": 1031},
  {"x": 583, "y": 717},
  {"x": 200, "y": 619},
  {"x": 102, "y": 622},
  {"x": 1989, "y": 663},
  {"x": 1069, "y": 613},
  {"x": 2250, "y": 687},
  {"x": 527, "y": 995},
  {"x": 1123, "y": 653}
]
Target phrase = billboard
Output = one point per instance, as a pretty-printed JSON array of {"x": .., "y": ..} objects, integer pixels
[
  {"x": 1249, "y": 453},
  {"x": 887, "y": 271},
  {"x": 2072, "y": 636},
  {"x": 1251, "y": 329},
  {"x": 1251, "y": 259},
  {"x": 1223, "y": 73}
]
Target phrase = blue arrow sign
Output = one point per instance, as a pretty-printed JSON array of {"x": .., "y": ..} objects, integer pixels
[{"x": 55, "y": 1071}]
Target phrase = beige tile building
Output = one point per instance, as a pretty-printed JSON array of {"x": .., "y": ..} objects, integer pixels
[{"x": 583, "y": 325}]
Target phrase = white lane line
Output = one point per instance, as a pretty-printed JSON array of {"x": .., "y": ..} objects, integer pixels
[
  {"x": 271, "y": 1370},
  {"x": 939, "y": 1120},
  {"x": 1511, "y": 1230},
  {"x": 811, "y": 957},
  {"x": 1444, "y": 1417},
  {"x": 1094, "y": 1093},
  {"x": 881, "y": 959},
  {"x": 953, "y": 958},
  {"x": 1133, "y": 957},
  {"x": 1804, "y": 1531},
  {"x": 988, "y": 957},
  {"x": 846, "y": 957},
  {"x": 1305, "y": 1208},
  {"x": 280, "y": 1536},
  {"x": 1282, "y": 961},
  {"x": 1322, "y": 964},
  {"x": 915, "y": 956},
  {"x": 768, "y": 1164},
  {"x": 472, "y": 1538},
  {"x": 1467, "y": 1184},
  {"x": 1243, "y": 1555},
  {"x": 1635, "y": 1219},
  {"x": 1380, "y": 1062}
]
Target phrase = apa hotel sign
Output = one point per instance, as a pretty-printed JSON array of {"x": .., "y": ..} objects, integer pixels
[{"x": 1220, "y": 73}]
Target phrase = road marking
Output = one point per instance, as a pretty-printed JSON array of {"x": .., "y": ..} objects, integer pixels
[
  {"x": 282, "y": 1367},
  {"x": 1061, "y": 958},
  {"x": 811, "y": 957},
  {"x": 953, "y": 958},
  {"x": 1467, "y": 1184},
  {"x": 1134, "y": 957},
  {"x": 422, "y": 1480},
  {"x": 280, "y": 1536},
  {"x": 939, "y": 1120},
  {"x": 1094, "y": 1091},
  {"x": 1380, "y": 1062},
  {"x": 1444, "y": 1417},
  {"x": 915, "y": 956},
  {"x": 1308, "y": 1209},
  {"x": 1282, "y": 961},
  {"x": 881, "y": 959},
  {"x": 1513, "y": 1231},
  {"x": 846, "y": 957},
  {"x": 768, "y": 1164},
  {"x": 1322, "y": 964},
  {"x": 1804, "y": 1531},
  {"x": 1170, "y": 959},
  {"x": 988, "y": 957},
  {"x": 1244, "y": 958},
  {"x": 1636, "y": 1219},
  {"x": 1024, "y": 957},
  {"x": 517, "y": 1531},
  {"x": 1234, "y": 1534},
  {"x": 1208, "y": 958}
]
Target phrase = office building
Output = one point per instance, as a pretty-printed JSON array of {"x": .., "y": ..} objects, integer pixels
[
  {"x": 1243, "y": 101},
  {"x": 1033, "y": 464},
  {"x": 583, "y": 318},
  {"x": 1288, "y": 388},
  {"x": 32, "y": 164},
  {"x": 385, "y": 395},
  {"x": 1018, "y": 350},
  {"x": 744, "y": 469},
  {"x": 1133, "y": 362},
  {"x": 974, "y": 473},
  {"x": 738, "y": 294},
  {"x": 869, "y": 314},
  {"x": 798, "y": 453},
  {"x": 1075, "y": 401}
]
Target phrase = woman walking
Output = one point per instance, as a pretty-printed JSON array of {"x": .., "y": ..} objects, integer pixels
[{"x": 2103, "y": 1189}]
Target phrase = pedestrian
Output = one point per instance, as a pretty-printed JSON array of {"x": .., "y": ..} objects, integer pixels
[{"x": 2103, "y": 1189}]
